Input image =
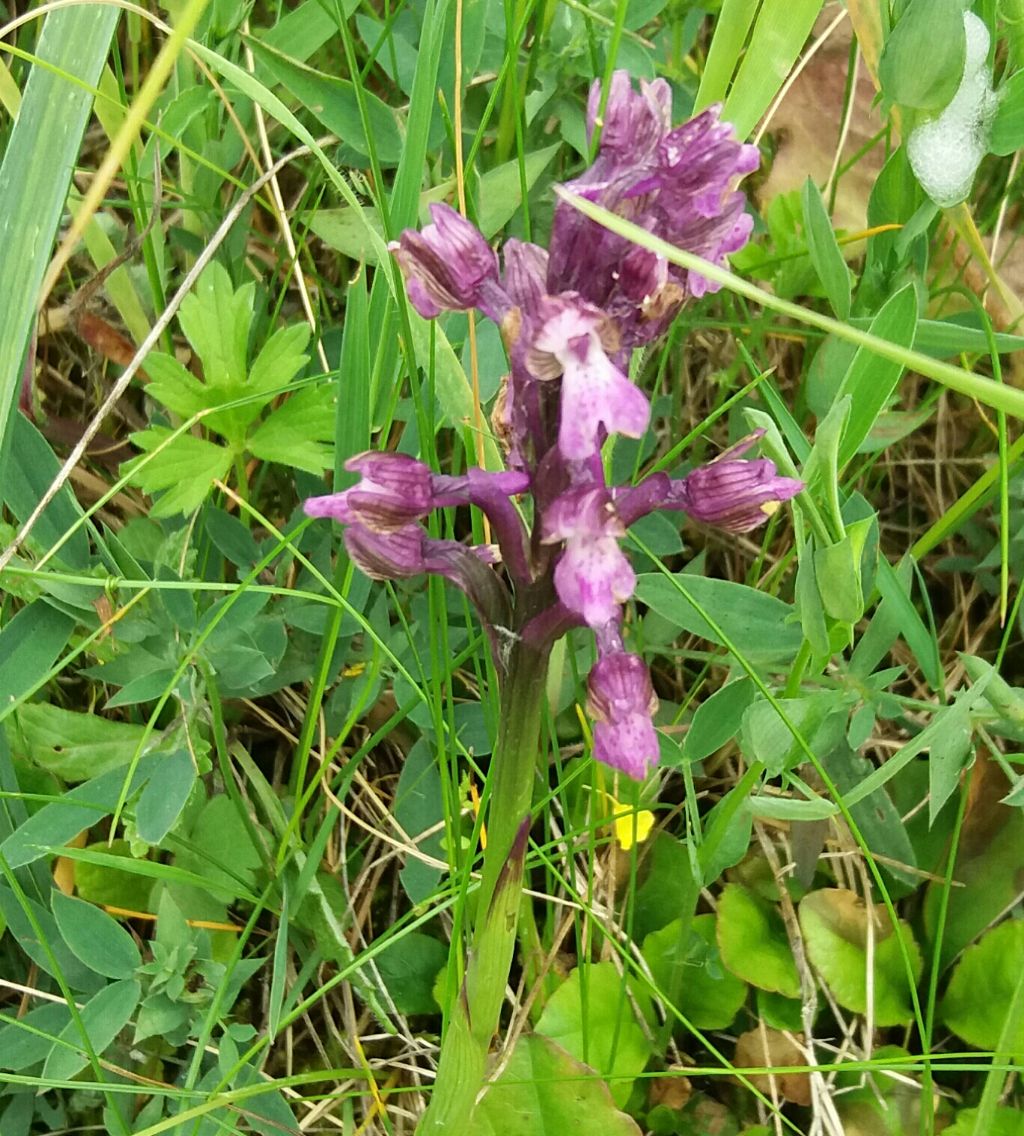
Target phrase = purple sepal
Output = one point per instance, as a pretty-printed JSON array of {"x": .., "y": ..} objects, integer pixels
[
  {"x": 397, "y": 490},
  {"x": 449, "y": 266},
  {"x": 731, "y": 493},
  {"x": 596, "y": 395},
  {"x": 593, "y": 576},
  {"x": 621, "y": 700},
  {"x": 410, "y": 551},
  {"x": 393, "y": 555}
]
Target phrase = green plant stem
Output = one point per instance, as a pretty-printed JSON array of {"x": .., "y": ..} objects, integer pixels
[{"x": 474, "y": 1013}]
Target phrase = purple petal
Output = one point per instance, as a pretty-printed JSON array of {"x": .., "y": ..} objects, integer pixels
[
  {"x": 595, "y": 393},
  {"x": 593, "y": 576}
]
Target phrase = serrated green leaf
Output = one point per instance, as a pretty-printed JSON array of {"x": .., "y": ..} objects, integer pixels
[
  {"x": 216, "y": 320},
  {"x": 299, "y": 433},
  {"x": 185, "y": 469},
  {"x": 94, "y": 938},
  {"x": 172, "y": 384},
  {"x": 281, "y": 358}
]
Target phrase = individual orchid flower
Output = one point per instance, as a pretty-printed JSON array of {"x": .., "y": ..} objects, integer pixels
[
  {"x": 621, "y": 700},
  {"x": 593, "y": 576}
]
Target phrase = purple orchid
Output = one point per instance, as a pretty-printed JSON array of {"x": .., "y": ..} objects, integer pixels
[{"x": 570, "y": 316}]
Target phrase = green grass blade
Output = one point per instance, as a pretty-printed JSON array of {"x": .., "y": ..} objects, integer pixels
[
  {"x": 781, "y": 30},
  {"x": 730, "y": 34},
  {"x": 37, "y": 168}
]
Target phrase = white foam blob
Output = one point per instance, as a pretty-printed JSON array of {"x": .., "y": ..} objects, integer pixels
[{"x": 945, "y": 153}]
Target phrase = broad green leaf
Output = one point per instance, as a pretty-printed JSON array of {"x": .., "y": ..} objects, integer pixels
[
  {"x": 418, "y": 807},
  {"x": 871, "y": 380},
  {"x": 94, "y": 938},
  {"x": 922, "y": 61},
  {"x": 39, "y": 938},
  {"x": 753, "y": 942},
  {"x": 220, "y": 849},
  {"x": 184, "y": 469},
  {"x": 500, "y": 192},
  {"x": 110, "y": 886},
  {"x": 103, "y": 1017},
  {"x": 987, "y": 987},
  {"x": 164, "y": 795},
  {"x": 766, "y": 737},
  {"x": 710, "y": 996},
  {"x": 1007, "y": 135},
  {"x": 29, "y": 644},
  {"x": 545, "y": 1091},
  {"x": 837, "y": 570},
  {"x": 409, "y": 967},
  {"x": 73, "y": 745},
  {"x": 835, "y": 928},
  {"x": 757, "y": 624},
  {"x": 597, "y": 1025},
  {"x": 41, "y": 154},
  {"x": 824, "y": 249},
  {"x": 716, "y": 721},
  {"x": 334, "y": 102}
]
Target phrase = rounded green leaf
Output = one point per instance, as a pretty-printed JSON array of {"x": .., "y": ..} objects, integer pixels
[
  {"x": 544, "y": 1091},
  {"x": 923, "y": 58},
  {"x": 834, "y": 922},
  {"x": 986, "y": 988},
  {"x": 753, "y": 942},
  {"x": 591, "y": 1016},
  {"x": 94, "y": 938},
  {"x": 708, "y": 995}
]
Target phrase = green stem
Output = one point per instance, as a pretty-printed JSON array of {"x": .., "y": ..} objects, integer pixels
[{"x": 473, "y": 1017}]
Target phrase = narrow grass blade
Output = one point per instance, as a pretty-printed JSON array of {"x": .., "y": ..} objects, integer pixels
[
  {"x": 781, "y": 30},
  {"x": 37, "y": 168},
  {"x": 731, "y": 30}
]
